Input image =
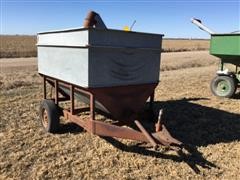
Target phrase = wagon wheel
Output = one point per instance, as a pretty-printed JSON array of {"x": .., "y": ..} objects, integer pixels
[
  {"x": 223, "y": 86},
  {"x": 49, "y": 116}
]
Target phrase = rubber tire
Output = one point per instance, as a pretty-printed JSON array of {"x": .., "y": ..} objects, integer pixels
[
  {"x": 231, "y": 82},
  {"x": 53, "y": 115}
]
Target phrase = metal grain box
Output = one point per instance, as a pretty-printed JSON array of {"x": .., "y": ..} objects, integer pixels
[
  {"x": 225, "y": 44},
  {"x": 99, "y": 58}
]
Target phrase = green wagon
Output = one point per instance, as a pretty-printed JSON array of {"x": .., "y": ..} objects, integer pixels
[{"x": 227, "y": 48}]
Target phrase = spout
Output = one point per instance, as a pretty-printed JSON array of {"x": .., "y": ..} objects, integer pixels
[
  {"x": 198, "y": 23},
  {"x": 93, "y": 19}
]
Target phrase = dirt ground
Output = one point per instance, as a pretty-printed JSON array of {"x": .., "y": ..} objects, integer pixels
[{"x": 210, "y": 125}]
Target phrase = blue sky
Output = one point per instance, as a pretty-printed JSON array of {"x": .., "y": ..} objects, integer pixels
[{"x": 171, "y": 18}]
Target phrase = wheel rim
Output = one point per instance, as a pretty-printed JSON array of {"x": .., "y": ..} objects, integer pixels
[
  {"x": 223, "y": 88},
  {"x": 45, "y": 119}
]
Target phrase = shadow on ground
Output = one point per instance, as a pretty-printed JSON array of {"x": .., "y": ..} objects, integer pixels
[
  {"x": 237, "y": 95},
  {"x": 190, "y": 155},
  {"x": 199, "y": 125},
  {"x": 69, "y": 128},
  {"x": 193, "y": 124}
]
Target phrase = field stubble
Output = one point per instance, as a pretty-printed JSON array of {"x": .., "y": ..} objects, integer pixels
[
  {"x": 191, "y": 113},
  {"x": 25, "y": 46}
]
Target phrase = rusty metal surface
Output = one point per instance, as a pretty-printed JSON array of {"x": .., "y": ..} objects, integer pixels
[
  {"x": 127, "y": 100},
  {"x": 124, "y": 102},
  {"x": 146, "y": 134},
  {"x": 93, "y": 19},
  {"x": 75, "y": 119},
  {"x": 164, "y": 137},
  {"x": 56, "y": 91},
  {"x": 89, "y": 20},
  {"x": 105, "y": 129},
  {"x": 72, "y": 99},
  {"x": 51, "y": 82},
  {"x": 80, "y": 93}
]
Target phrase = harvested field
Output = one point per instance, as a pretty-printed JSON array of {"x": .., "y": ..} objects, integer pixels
[
  {"x": 210, "y": 125},
  {"x": 25, "y": 46},
  {"x": 178, "y": 45},
  {"x": 17, "y": 46}
]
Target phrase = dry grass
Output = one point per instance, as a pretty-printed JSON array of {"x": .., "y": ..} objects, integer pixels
[
  {"x": 25, "y": 46},
  {"x": 182, "y": 60},
  {"x": 17, "y": 46},
  {"x": 176, "y": 45},
  {"x": 211, "y": 125}
]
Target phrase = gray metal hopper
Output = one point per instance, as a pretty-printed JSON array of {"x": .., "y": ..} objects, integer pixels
[
  {"x": 90, "y": 57},
  {"x": 114, "y": 72}
]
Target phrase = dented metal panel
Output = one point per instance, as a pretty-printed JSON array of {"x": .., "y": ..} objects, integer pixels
[
  {"x": 122, "y": 66},
  {"x": 100, "y": 58}
]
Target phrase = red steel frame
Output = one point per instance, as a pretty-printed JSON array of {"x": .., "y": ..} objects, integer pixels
[{"x": 161, "y": 136}]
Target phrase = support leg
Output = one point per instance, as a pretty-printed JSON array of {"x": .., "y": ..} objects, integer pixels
[
  {"x": 146, "y": 134},
  {"x": 72, "y": 99},
  {"x": 151, "y": 101},
  {"x": 44, "y": 88},
  {"x": 92, "y": 107},
  {"x": 56, "y": 91},
  {"x": 92, "y": 113}
]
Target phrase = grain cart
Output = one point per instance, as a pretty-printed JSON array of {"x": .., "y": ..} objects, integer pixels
[
  {"x": 112, "y": 71},
  {"x": 226, "y": 47}
]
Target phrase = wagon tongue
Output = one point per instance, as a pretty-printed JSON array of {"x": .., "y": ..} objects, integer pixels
[{"x": 164, "y": 137}]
